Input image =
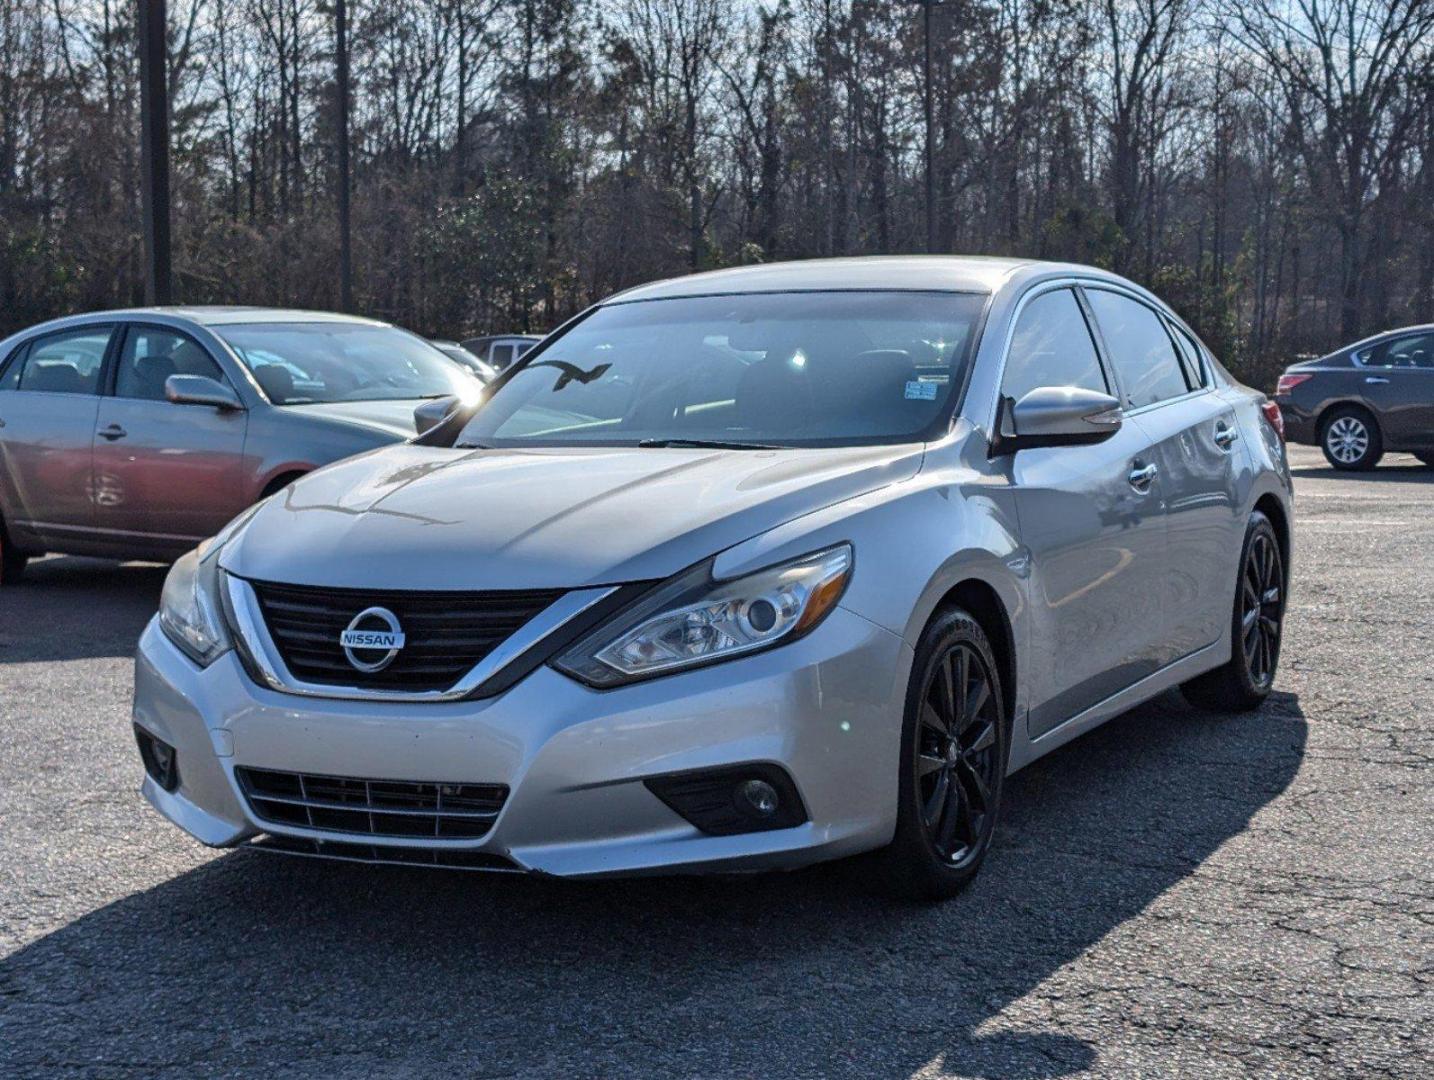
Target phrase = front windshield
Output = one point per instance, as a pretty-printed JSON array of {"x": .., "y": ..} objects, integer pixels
[
  {"x": 305, "y": 363},
  {"x": 768, "y": 369}
]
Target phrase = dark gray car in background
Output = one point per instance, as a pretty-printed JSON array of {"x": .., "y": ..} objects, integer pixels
[
  {"x": 1367, "y": 398},
  {"x": 136, "y": 434}
]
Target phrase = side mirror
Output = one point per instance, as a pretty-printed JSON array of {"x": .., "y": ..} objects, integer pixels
[
  {"x": 201, "y": 390},
  {"x": 432, "y": 413},
  {"x": 1056, "y": 416}
]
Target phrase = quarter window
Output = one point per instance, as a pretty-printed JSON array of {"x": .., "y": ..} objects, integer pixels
[
  {"x": 151, "y": 355},
  {"x": 1052, "y": 346},
  {"x": 1189, "y": 356},
  {"x": 65, "y": 363},
  {"x": 1139, "y": 347}
]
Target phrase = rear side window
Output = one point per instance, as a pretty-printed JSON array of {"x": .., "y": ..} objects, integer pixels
[
  {"x": 10, "y": 373},
  {"x": 1142, "y": 352},
  {"x": 151, "y": 355},
  {"x": 1052, "y": 346},
  {"x": 65, "y": 363},
  {"x": 1189, "y": 356},
  {"x": 1416, "y": 351}
]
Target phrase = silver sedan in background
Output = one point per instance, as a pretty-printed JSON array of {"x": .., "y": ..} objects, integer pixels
[
  {"x": 135, "y": 434},
  {"x": 748, "y": 569}
]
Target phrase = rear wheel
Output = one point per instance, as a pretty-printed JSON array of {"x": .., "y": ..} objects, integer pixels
[
  {"x": 954, "y": 747},
  {"x": 1245, "y": 680},
  {"x": 1351, "y": 439}
]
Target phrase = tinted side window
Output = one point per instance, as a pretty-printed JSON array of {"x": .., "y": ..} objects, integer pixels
[
  {"x": 151, "y": 355},
  {"x": 66, "y": 363},
  {"x": 501, "y": 356},
  {"x": 1143, "y": 354},
  {"x": 1416, "y": 351},
  {"x": 1052, "y": 346}
]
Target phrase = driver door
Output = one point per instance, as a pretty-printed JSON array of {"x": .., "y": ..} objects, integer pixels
[
  {"x": 1092, "y": 524},
  {"x": 166, "y": 475}
]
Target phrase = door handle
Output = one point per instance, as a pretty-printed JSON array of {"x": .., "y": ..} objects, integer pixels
[
  {"x": 113, "y": 432},
  {"x": 1225, "y": 435},
  {"x": 1141, "y": 479},
  {"x": 1375, "y": 380}
]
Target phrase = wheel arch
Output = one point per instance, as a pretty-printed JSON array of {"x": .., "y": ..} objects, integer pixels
[
  {"x": 281, "y": 479},
  {"x": 982, "y": 602},
  {"x": 1330, "y": 408}
]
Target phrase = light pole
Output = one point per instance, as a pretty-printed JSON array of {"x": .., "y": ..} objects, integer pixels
[{"x": 341, "y": 77}]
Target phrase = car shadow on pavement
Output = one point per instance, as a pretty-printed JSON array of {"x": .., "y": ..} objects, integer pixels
[
  {"x": 51, "y": 612},
  {"x": 267, "y": 963},
  {"x": 1413, "y": 473}
]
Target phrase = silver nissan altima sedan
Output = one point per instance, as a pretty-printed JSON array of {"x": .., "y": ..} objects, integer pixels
[{"x": 743, "y": 570}]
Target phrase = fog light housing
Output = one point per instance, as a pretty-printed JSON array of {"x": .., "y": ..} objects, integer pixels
[
  {"x": 160, "y": 760},
  {"x": 733, "y": 799}
]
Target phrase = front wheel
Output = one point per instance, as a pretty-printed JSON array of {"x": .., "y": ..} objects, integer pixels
[
  {"x": 954, "y": 748},
  {"x": 1245, "y": 680}
]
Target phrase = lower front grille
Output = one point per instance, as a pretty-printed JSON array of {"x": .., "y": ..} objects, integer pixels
[
  {"x": 346, "y": 804},
  {"x": 385, "y": 855}
]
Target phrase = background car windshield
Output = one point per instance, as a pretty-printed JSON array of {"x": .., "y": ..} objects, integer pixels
[
  {"x": 786, "y": 369},
  {"x": 303, "y": 363}
]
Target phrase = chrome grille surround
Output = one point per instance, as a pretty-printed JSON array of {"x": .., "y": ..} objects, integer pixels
[{"x": 266, "y": 663}]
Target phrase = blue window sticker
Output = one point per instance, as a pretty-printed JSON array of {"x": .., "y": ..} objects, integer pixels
[{"x": 920, "y": 391}]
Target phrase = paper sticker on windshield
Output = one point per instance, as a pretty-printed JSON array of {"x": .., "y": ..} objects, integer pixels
[{"x": 920, "y": 391}]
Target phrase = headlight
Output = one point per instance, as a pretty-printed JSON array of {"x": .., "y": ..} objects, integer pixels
[
  {"x": 189, "y": 607},
  {"x": 695, "y": 620}
]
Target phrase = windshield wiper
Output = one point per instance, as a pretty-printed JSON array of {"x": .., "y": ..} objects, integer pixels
[{"x": 706, "y": 444}]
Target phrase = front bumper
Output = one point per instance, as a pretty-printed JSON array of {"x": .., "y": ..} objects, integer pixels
[{"x": 826, "y": 708}]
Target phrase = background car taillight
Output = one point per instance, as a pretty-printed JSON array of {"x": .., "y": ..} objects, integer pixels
[
  {"x": 1274, "y": 416},
  {"x": 1289, "y": 382}
]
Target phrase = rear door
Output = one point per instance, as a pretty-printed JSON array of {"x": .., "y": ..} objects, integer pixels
[
  {"x": 48, "y": 401},
  {"x": 1195, "y": 437},
  {"x": 166, "y": 475},
  {"x": 1398, "y": 382},
  {"x": 1091, "y": 519}
]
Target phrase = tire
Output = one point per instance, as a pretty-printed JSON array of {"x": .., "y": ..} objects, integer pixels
[
  {"x": 941, "y": 834},
  {"x": 1245, "y": 680},
  {"x": 12, "y": 559},
  {"x": 1351, "y": 439}
]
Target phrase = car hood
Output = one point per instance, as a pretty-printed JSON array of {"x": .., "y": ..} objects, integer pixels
[
  {"x": 386, "y": 417},
  {"x": 416, "y": 517}
]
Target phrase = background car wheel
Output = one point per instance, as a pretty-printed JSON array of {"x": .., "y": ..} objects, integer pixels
[
  {"x": 954, "y": 747},
  {"x": 1351, "y": 439},
  {"x": 12, "y": 560},
  {"x": 1245, "y": 680}
]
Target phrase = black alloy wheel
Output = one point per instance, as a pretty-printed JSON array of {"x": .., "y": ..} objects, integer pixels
[
  {"x": 1261, "y": 608},
  {"x": 954, "y": 749},
  {"x": 1245, "y": 680},
  {"x": 956, "y": 756}
]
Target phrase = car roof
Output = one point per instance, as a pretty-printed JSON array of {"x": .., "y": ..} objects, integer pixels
[
  {"x": 1383, "y": 335},
  {"x": 211, "y": 315},
  {"x": 940, "y": 273}
]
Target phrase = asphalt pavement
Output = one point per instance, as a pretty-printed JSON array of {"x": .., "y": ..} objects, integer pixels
[{"x": 1176, "y": 893}]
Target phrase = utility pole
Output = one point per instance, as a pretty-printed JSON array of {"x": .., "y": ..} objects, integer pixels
[
  {"x": 341, "y": 62},
  {"x": 154, "y": 150}
]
